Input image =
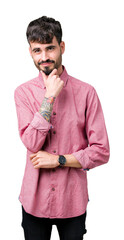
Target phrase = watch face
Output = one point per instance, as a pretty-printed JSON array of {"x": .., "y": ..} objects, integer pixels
[{"x": 62, "y": 160}]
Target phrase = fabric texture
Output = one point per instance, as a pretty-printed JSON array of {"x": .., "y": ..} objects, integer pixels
[{"x": 76, "y": 127}]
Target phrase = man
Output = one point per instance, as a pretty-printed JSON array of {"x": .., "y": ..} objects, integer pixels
[{"x": 61, "y": 123}]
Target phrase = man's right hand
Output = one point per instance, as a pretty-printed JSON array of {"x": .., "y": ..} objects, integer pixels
[{"x": 53, "y": 84}]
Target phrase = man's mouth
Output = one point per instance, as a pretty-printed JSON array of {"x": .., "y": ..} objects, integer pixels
[{"x": 46, "y": 63}]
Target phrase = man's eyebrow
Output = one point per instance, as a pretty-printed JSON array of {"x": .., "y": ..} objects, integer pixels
[
  {"x": 37, "y": 49},
  {"x": 50, "y": 46}
]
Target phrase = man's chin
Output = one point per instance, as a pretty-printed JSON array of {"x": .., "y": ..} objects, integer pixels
[{"x": 47, "y": 71}]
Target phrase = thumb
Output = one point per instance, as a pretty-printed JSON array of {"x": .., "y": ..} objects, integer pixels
[{"x": 54, "y": 72}]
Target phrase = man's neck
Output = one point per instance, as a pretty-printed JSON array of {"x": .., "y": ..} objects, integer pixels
[{"x": 60, "y": 70}]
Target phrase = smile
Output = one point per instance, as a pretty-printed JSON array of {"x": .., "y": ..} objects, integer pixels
[{"x": 46, "y": 64}]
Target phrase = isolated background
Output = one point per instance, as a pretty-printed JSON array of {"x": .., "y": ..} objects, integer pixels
[{"x": 93, "y": 31}]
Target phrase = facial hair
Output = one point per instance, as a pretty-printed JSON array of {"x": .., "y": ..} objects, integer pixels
[{"x": 47, "y": 70}]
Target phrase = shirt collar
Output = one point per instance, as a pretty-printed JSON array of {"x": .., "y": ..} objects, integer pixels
[{"x": 64, "y": 76}]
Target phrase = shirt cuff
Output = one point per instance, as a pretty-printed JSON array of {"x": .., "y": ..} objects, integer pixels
[
  {"x": 40, "y": 123},
  {"x": 83, "y": 158}
]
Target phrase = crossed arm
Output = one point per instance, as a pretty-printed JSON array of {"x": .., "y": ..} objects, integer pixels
[
  {"x": 43, "y": 159},
  {"x": 33, "y": 134}
]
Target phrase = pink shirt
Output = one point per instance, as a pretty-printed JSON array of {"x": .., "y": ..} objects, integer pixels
[{"x": 76, "y": 127}]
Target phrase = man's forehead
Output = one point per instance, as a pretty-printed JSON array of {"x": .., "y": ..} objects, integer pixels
[{"x": 43, "y": 45}]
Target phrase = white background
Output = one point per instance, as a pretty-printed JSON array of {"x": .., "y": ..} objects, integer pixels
[{"x": 94, "y": 35}]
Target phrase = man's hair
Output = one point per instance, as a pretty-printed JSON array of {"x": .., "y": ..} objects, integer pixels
[{"x": 42, "y": 30}]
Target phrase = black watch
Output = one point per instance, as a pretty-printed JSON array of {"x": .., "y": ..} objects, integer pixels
[{"x": 62, "y": 160}]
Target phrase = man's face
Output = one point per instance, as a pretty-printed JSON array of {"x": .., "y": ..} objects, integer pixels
[{"x": 47, "y": 56}]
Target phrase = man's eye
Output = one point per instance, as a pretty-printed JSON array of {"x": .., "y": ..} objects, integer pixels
[
  {"x": 37, "y": 51},
  {"x": 51, "y": 48}
]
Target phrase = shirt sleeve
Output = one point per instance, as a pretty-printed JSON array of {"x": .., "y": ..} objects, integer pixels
[
  {"x": 32, "y": 127},
  {"x": 97, "y": 152}
]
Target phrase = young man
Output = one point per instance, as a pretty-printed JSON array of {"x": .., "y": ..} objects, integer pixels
[{"x": 61, "y": 123}]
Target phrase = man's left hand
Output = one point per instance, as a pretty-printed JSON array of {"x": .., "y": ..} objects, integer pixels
[{"x": 43, "y": 159}]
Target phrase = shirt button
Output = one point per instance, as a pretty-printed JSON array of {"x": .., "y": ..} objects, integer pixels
[
  {"x": 54, "y": 132},
  {"x": 53, "y": 169},
  {"x": 54, "y": 151},
  {"x": 53, "y": 189},
  {"x": 54, "y": 113}
]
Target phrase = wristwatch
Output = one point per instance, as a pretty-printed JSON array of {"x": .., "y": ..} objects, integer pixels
[{"x": 62, "y": 160}]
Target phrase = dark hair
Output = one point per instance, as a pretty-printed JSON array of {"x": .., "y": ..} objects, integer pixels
[{"x": 43, "y": 30}]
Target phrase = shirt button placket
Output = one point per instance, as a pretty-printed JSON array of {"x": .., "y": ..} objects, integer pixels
[
  {"x": 53, "y": 171},
  {"x": 54, "y": 132}
]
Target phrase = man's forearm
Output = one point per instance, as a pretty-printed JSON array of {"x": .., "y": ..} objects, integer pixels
[
  {"x": 43, "y": 159},
  {"x": 45, "y": 111},
  {"x": 71, "y": 161},
  {"x": 46, "y": 107}
]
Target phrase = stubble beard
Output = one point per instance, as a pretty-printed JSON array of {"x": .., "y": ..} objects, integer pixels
[{"x": 48, "y": 70}]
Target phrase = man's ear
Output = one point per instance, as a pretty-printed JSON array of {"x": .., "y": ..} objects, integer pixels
[
  {"x": 30, "y": 51},
  {"x": 62, "y": 46}
]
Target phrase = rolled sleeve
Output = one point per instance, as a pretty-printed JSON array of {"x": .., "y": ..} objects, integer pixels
[
  {"x": 97, "y": 152},
  {"x": 32, "y": 127},
  {"x": 83, "y": 159},
  {"x": 40, "y": 123}
]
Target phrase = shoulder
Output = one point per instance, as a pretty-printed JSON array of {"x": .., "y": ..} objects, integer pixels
[
  {"x": 77, "y": 83},
  {"x": 22, "y": 88}
]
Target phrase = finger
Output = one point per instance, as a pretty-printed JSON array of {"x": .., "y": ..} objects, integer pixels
[
  {"x": 34, "y": 159},
  {"x": 54, "y": 72},
  {"x": 33, "y": 155},
  {"x": 62, "y": 82},
  {"x": 37, "y": 166},
  {"x": 35, "y": 163}
]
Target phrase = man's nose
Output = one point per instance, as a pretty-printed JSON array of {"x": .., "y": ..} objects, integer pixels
[{"x": 44, "y": 56}]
